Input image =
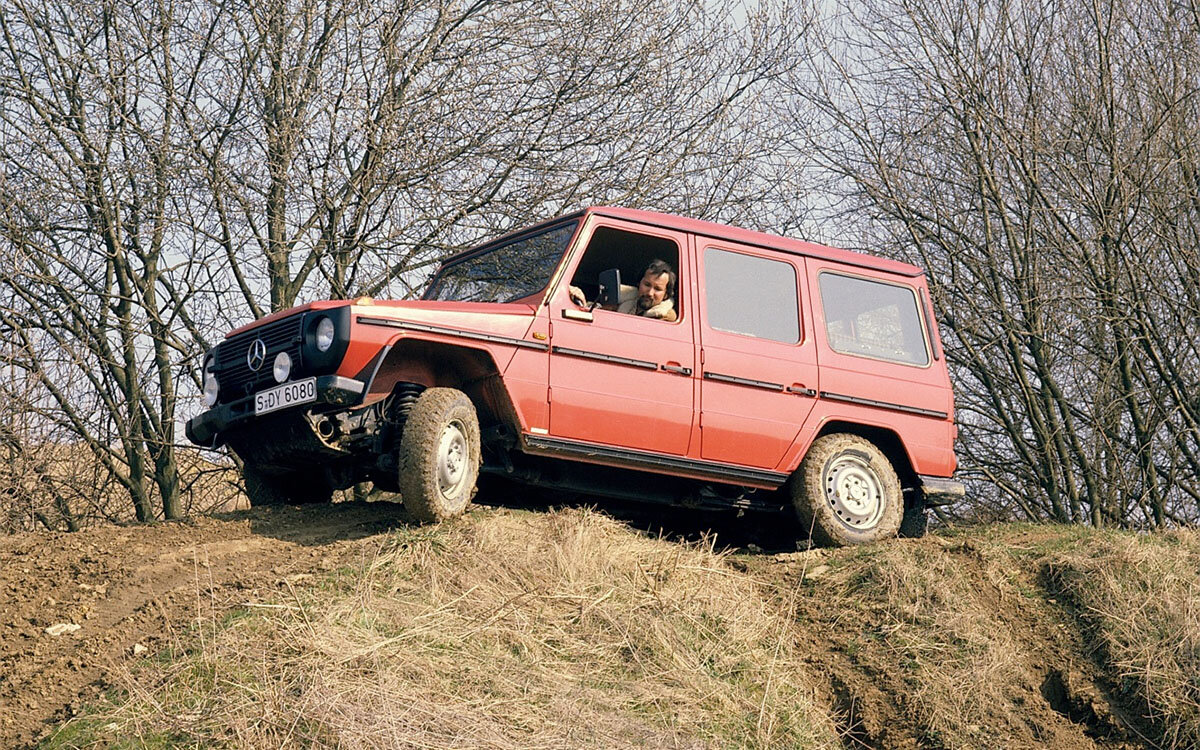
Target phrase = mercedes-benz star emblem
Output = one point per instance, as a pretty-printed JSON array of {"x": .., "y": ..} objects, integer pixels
[{"x": 257, "y": 354}]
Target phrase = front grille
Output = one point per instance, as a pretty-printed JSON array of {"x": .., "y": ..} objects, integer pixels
[{"x": 233, "y": 372}]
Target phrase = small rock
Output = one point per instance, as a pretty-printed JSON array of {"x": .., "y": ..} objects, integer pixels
[
  {"x": 752, "y": 547},
  {"x": 138, "y": 649},
  {"x": 817, "y": 572},
  {"x": 63, "y": 627}
]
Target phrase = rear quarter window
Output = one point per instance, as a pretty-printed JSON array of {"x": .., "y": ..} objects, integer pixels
[{"x": 868, "y": 318}]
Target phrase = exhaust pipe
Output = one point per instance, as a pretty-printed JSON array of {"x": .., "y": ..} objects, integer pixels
[{"x": 326, "y": 428}]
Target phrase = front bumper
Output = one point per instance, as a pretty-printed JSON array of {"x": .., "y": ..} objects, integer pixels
[
  {"x": 205, "y": 429},
  {"x": 941, "y": 490}
]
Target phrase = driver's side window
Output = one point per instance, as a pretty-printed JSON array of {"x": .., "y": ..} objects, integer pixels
[{"x": 649, "y": 271}]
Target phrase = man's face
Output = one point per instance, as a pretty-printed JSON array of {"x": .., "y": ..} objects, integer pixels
[{"x": 651, "y": 290}]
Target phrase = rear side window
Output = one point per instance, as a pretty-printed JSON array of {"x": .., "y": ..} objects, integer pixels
[
  {"x": 873, "y": 319},
  {"x": 752, "y": 296}
]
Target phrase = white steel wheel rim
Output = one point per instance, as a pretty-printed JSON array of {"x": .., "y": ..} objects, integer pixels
[
  {"x": 453, "y": 460},
  {"x": 854, "y": 492}
]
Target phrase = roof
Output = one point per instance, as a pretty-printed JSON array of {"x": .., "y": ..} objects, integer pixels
[
  {"x": 759, "y": 239},
  {"x": 716, "y": 231}
]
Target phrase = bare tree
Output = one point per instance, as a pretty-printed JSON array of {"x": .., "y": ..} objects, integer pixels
[
  {"x": 89, "y": 117},
  {"x": 173, "y": 169},
  {"x": 349, "y": 144},
  {"x": 1039, "y": 161}
]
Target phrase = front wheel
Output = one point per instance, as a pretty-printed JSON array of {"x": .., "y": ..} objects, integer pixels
[
  {"x": 846, "y": 492},
  {"x": 439, "y": 455}
]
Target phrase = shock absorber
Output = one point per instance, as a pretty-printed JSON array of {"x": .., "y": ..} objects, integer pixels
[
  {"x": 404, "y": 395},
  {"x": 393, "y": 412}
]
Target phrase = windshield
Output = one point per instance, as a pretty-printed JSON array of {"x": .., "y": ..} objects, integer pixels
[{"x": 506, "y": 272}]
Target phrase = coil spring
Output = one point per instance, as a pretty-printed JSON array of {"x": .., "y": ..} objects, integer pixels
[{"x": 404, "y": 395}]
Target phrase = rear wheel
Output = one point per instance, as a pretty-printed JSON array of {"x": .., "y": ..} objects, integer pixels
[
  {"x": 439, "y": 455},
  {"x": 297, "y": 488},
  {"x": 846, "y": 492}
]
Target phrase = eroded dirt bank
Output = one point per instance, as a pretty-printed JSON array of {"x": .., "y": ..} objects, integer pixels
[{"x": 1003, "y": 636}]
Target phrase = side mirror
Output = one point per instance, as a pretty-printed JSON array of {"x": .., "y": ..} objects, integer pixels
[{"x": 610, "y": 287}]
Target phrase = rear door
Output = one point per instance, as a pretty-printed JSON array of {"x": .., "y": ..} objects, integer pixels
[
  {"x": 758, "y": 359},
  {"x": 878, "y": 365}
]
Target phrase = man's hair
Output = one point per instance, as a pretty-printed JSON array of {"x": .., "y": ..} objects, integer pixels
[{"x": 658, "y": 268}]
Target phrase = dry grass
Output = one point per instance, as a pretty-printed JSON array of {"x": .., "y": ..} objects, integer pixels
[
  {"x": 1141, "y": 598},
  {"x": 568, "y": 630},
  {"x": 504, "y": 630}
]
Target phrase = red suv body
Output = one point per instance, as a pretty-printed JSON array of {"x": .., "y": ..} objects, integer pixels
[{"x": 791, "y": 373}]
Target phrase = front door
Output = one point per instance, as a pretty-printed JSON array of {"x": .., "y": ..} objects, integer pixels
[{"x": 622, "y": 379}]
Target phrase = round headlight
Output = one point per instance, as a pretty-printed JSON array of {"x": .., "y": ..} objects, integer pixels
[
  {"x": 325, "y": 334},
  {"x": 211, "y": 387},
  {"x": 283, "y": 367}
]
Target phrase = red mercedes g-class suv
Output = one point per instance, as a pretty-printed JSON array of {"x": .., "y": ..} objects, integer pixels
[{"x": 737, "y": 370}]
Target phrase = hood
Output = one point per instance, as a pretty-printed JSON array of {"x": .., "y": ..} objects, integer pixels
[
  {"x": 318, "y": 305},
  {"x": 508, "y": 319}
]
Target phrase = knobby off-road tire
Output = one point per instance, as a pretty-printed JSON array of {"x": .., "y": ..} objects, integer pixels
[
  {"x": 846, "y": 492},
  {"x": 289, "y": 489},
  {"x": 439, "y": 455}
]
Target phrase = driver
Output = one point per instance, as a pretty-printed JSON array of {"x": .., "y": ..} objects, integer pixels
[{"x": 653, "y": 297}]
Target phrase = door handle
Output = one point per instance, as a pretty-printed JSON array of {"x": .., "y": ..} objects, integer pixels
[
  {"x": 584, "y": 315},
  {"x": 800, "y": 390},
  {"x": 676, "y": 368}
]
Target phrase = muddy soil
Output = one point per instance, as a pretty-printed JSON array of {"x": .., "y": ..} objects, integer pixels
[{"x": 136, "y": 588}]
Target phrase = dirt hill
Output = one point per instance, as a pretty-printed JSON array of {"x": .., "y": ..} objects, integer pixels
[{"x": 345, "y": 626}]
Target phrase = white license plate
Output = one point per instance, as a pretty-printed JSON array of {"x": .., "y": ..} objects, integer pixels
[{"x": 283, "y": 396}]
